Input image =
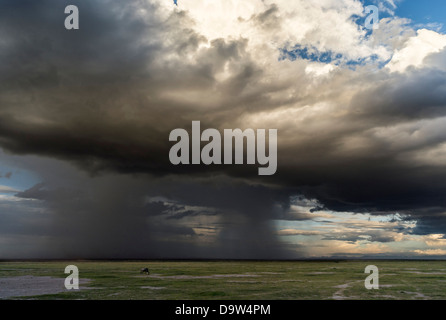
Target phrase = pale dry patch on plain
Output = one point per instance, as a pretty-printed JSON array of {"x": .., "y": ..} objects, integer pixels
[{"x": 26, "y": 286}]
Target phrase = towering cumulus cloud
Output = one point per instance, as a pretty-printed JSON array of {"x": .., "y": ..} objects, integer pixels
[{"x": 360, "y": 117}]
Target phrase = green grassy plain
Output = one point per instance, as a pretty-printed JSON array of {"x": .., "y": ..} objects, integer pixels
[{"x": 228, "y": 280}]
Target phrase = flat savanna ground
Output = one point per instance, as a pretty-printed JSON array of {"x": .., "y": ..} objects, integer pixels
[{"x": 223, "y": 280}]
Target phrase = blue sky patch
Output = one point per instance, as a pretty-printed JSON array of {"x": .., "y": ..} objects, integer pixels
[
  {"x": 314, "y": 55},
  {"x": 424, "y": 14}
]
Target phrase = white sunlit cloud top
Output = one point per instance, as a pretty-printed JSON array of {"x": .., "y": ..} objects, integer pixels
[{"x": 328, "y": 32}]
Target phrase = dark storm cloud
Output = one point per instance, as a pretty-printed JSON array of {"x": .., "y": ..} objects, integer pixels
[
  {"x": 105, "y": 98},
  {"x": 108, "y": 216},
  {"x": 403, "y": 98},
  {"x": 6, "y": 175},
  {"x": 71, "y": 80},
  {"x": 366, "y": 165},
  {"x": 95, "y": 96},
  {"x": 37, "y": 192},
  {"x": 24, "y": 218},
  {"x": 105, "y": 217},
  {"x": 433, "y": 220},
  {"x": 175, "y": 211}
]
